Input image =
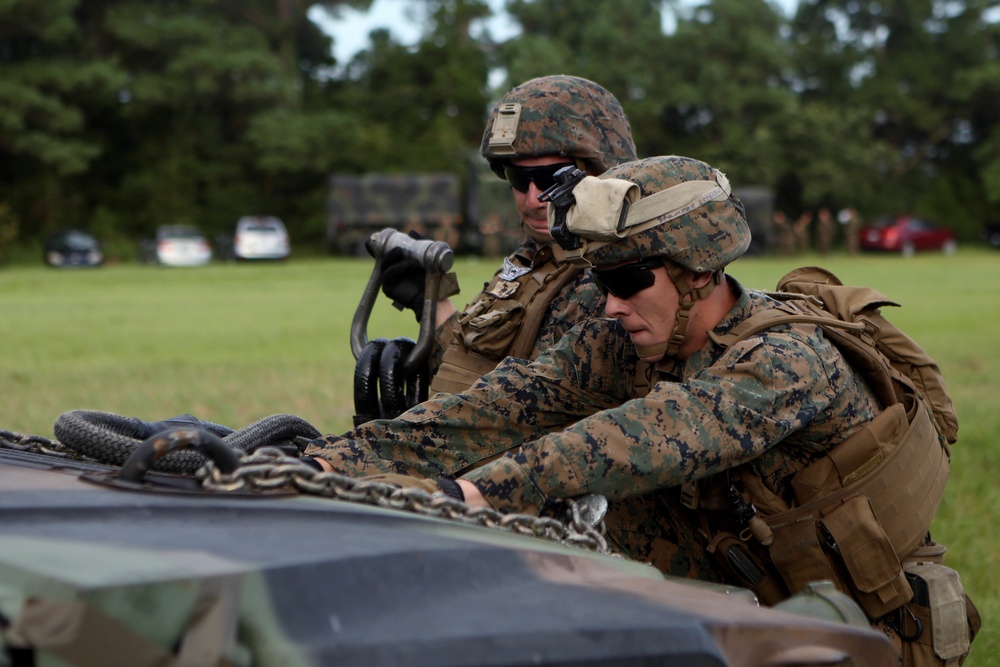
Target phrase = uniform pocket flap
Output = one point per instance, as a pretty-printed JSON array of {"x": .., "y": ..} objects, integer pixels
[
  {"x": 949, "y": 620},
  {"x": 873, "y": 569},
  {"x": 862, "y": 544}
]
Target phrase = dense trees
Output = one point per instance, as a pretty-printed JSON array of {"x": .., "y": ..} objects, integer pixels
[{"x": 117, "y": 115}]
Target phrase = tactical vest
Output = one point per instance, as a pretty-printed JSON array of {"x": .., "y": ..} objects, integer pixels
[
  {"x": 503, "y": 321},
  {"x": 865, "y": 508}
]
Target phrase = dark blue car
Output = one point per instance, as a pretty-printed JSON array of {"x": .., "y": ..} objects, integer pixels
[{"x": 73, "y": 248}]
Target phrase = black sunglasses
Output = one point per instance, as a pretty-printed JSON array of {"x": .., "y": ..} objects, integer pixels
[
  {"x": 520, "y": 178},
  {"x": 626, "y": 280}
]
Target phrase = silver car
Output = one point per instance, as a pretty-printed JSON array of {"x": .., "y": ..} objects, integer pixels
[
  {"x": 260, "y": 237},
  {"x": 176, "y": 245}
]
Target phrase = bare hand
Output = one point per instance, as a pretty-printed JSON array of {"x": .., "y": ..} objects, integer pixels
[{"x": 473, "y": 498}]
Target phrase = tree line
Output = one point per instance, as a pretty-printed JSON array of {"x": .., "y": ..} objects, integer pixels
[{"x": 120, "y": 115}]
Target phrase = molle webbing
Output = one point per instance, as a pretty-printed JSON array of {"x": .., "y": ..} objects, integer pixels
[
  {"x": 869, "y": 502},
  {"x": 462, "y": 364},
  {"x": 460, "y": 368},
  {"x": 874, "y": 522},
  {"x": 550, "y": 279}
]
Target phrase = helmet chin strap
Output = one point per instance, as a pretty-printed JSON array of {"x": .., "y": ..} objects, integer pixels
[{"x": 688, "y": 296}]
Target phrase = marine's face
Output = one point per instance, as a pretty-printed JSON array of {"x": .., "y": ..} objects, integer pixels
[
  {"x": 649, "y": 314},
  {"x": 533, "y": 213}
]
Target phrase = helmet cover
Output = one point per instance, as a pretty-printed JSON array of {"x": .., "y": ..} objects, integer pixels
[
  {"x": 696, "y": 222},
  {"x": 558, "y": 115}
]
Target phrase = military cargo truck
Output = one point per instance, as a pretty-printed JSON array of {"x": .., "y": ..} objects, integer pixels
[
  {"x": 758, "y": 201},
  {"x": 359, "y": 206},
  {"x": 473, "y": 214}
]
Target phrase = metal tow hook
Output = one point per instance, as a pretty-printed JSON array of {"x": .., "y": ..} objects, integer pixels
[{"x": 436, "y": 258}]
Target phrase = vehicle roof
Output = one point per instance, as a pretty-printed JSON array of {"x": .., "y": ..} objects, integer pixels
[
  {"x": 178, "y": 230},
  {"x": 307, "y": 580},
  {"x": 260, "y": 221},
  {"x": 75, "y": 237}
]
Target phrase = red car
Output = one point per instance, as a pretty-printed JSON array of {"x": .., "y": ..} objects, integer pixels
[{"x": 906, "y": 234}]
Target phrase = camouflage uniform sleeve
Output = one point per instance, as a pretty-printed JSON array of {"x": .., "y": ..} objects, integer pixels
[
  {"x": 731, "y": 411},
  {"x": 516, "y": 403}
]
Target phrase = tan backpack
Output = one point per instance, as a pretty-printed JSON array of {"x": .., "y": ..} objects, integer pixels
[
  {"x": 874, "y": 495},
  {"x": 851, "y": 318}
]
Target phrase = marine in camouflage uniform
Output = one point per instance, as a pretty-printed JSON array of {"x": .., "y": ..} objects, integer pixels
[
  {"x": 651, "y": 408},
  {"x": 534, "y": 298},
  {"x": 594, "y": 414}
]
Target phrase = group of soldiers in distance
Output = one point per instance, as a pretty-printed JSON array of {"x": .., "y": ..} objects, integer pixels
[{"x": 793, "y": 237}]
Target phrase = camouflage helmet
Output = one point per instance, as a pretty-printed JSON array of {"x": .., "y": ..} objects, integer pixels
[
  {"x": 676, "y": 209},
  {"x": 694, "y": 220},
  {"x": 558, "y": 115}
]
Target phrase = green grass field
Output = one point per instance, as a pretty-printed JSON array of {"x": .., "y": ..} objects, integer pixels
[{"x": 232, "y": 343}]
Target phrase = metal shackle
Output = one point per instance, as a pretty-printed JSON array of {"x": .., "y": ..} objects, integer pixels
[{"x": 434, "y": 256}]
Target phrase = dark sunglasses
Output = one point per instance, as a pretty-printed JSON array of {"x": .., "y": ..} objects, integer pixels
[
  {"x": 520, "y": 178},
  {"x": 626, "y": 280}
]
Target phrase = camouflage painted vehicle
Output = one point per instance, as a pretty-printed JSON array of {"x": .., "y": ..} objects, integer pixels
[
  {"x": 244, "y": 568},
  {"x": 474, "y": 213},
  {"x": 493, "y": 226},
  {"x": 358, "y": 206}
]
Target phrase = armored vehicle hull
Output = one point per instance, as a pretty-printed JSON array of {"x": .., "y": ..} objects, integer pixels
[{"x": 93, "y": 571}]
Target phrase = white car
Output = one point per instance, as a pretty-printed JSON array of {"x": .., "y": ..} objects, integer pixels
[
  {"x": 178, "y": 245},
  {"x": 260, "y": 237}
]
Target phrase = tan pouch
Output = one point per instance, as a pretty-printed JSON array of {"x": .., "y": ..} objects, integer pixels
[
  {"x": 854, "y": 458},
  {"x": 937, "y": 627},
  {"x": 799, "y": 557},
  {"x": 875, "y": 575},
  {"x": 491, "y": 333}
]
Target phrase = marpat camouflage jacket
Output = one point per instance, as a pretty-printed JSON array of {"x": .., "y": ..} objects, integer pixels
[{"x": 583, "y": 418}]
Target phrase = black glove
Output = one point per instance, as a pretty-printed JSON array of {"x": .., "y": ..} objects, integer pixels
[
  {"x": 451, "y": 488},
  {"x": 403, "y": 281}
]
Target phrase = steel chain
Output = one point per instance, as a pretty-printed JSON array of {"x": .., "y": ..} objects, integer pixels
[
  {"x": 269, "y": 469},
  {"x": 35, "y": 444}
]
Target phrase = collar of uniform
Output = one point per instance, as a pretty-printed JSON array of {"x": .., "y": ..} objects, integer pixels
[
  {"x": 532, "y": 254},
  {"x": 739, "y": 312},
  {"x": 525, "y": 255},
  {"x": 707, "y": 354},
  {"x": 543, "y": 256}
]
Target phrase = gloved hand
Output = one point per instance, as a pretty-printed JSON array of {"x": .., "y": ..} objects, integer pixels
[{"x": 403, "y": 281}]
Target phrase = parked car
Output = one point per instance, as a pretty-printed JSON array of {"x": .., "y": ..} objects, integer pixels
[
  {"x": 73, "y": 247},
  {"x": 906, "y": 234},
  {"x": 260, "y": 237},
  {"x": 991, "y": 233},
  {"x": 176, "y": 245},
  {"x": 100, "y": 569}
]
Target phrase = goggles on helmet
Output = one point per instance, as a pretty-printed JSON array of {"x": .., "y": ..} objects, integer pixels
[
  {"x": 627, "y": 280},
  {"x": 604, "y": 211},
  {"x": 520, "y": 178}
]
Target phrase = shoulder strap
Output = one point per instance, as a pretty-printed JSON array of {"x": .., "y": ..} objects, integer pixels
[
  {"x": 855, "y": 340},
  {"x": 551, "y": 278},
  {"x": 773, "y": 317},
  {"x": 907, "y": 359}
]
